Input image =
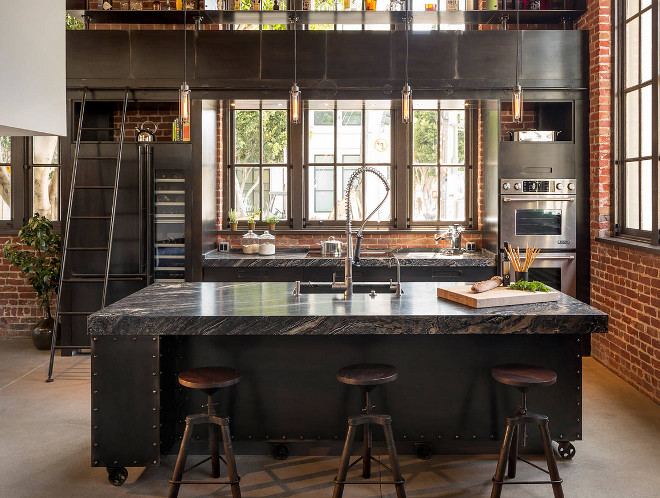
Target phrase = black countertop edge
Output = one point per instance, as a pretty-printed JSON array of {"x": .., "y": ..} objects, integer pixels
[
  {"x": 295, "y": 258},
  {"x": 634, "y": 244}
]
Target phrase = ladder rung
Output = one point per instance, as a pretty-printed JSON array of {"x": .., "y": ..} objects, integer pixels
[
  {"x": 86, "y": 248},
  {"x": 94, "y": 187},
  {"x": 89, "y": 217},
  {"x": 91, "y": 129},
  {"x": 97, "y": 279},
  {"x": 99, "y": 157},
  {"x": 72, "y": 347}
]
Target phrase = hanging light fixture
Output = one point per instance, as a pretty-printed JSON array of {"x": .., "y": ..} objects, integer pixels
[
  {"x": 184, "y": 91},
  {"x": 294, "y": 94},
  {"x": 406, "y": 92},
  {"x": 517, "y": 94}
]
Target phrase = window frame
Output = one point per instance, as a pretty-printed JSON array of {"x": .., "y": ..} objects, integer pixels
[
  {"x": 29, "y": 178},
  {"x": 17, "y": 185},
  {"x": 469, "y": 154},
  {"x": 232, "y": 164},
  {"x": 620, "y": 202},
  {"x": 390, "y": 224}
]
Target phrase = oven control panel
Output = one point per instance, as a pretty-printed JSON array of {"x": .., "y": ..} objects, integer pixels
[{"x": 544, "y": 186}]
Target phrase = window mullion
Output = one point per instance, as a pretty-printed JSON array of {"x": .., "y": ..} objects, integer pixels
[{"x": 655, "y": 73}]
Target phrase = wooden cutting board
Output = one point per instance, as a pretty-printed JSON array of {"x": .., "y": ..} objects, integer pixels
[{"x": 500, "y": 296}]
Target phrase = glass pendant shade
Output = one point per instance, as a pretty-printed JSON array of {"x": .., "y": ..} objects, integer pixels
[
  {"x": 184, "y": 103},
  {"x": 406, "y": 103},
  {"x": 517, "y": 104},
  {"x": 294, "y": 104}
]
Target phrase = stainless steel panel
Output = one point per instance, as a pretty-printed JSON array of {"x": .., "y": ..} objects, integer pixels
[{"x": 565, "y": 264}]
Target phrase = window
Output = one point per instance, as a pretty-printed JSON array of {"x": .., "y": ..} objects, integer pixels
[
  {"x": 260, "y": 156},
  {"x": 637, "y": 164},
  {"x": 45, "y": 176},
  {"x": 5, "y": 178},
  {"x": 439, "y": 179},
  {"x": 340, "y": 138}
]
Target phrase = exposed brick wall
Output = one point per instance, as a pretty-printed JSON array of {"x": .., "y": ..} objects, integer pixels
[
  {"x": 19, "y": 306},
  {"x": 530, "y": 120},
  {"x": 221, "y": 168},
  {"x": 162, "y": 114}
]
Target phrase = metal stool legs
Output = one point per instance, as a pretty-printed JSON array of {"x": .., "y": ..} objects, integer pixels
[
  {"x": 367, "y": 420},
  {"x": 215, "y": 421},
  {"x": 514, "y": 427}
]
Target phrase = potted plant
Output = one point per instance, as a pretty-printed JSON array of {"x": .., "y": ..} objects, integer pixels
[
  {"x": 251, "y": 220},
  {"x": 38, "y": 257},
  {"x": 233, "y": 219},
  {"x": 272, "y": 220}
]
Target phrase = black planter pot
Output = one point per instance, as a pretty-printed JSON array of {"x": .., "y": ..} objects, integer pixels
[{"x": 42, "y": 333}]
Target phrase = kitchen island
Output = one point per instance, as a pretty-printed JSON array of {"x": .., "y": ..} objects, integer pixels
[{"x": 289, "y": 348}]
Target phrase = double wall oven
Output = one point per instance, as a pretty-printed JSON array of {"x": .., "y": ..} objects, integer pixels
[{"x": 542, "y": 213}]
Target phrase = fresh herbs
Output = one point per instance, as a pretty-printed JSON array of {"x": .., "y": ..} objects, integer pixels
[{"x": 529, "y": 286}]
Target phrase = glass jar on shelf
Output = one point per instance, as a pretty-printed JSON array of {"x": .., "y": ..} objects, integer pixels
[
  {"x": 250, "y": 243},
  {"x": 267, "y": 244},
  {"x": 136, "y": 4}
]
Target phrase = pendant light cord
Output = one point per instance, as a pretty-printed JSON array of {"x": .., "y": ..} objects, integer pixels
[
  {"x": 407, "y": 20},
  {"x": 295, "y": 42},
  {"x": 517, "y": 39},
  {"x": 185, "y": 41}
]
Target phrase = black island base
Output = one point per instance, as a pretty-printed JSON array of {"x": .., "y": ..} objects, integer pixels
[{"x": 288, "y": 350}]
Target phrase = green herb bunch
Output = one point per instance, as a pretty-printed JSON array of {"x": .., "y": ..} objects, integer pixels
[{"x": 530, "y": 286}]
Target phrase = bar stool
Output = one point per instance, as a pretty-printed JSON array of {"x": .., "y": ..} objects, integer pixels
[
  {"x": 208, "y": 380},
  {"x": 368, "y": 376},
  {"x": 523, "y": 378}
]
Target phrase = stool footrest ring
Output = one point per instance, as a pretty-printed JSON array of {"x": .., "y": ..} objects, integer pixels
[
  {"x": 528, "y": 482},
  {"x": 204, "y": 481}
]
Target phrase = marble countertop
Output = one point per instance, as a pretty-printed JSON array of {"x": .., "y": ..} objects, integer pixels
[
  {"x": 296, "y": 259},
  {"x": 214, "y": 308}
]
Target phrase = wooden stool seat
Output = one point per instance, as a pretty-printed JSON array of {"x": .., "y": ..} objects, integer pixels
[
  {"x": 367, "y": 374},
  {"x": 523, "y": 376},
  {"x": 209, "y": 377}
]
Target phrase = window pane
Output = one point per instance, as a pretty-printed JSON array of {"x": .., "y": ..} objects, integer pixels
[
  {"x": 632, "y": 124},
  {"x": 646, "y": 199},
  {"x": 632, "y": 6},
  {"x": 632, "y": 195},
  {"x": 45, "y": 150},
  {"x": 357, "y": 209},
  {"x": 274, "y": 137},
  {"x": 321, "y": 142},
  {"x": 452, "y": 137},
  {"x": 644, "y": 4},
  {"x": 645, "y": 51},
  {"x": 647, "y": 124},
  {"x": 425, "y": 193},
  {"x": 45, "y": 191},
  {"x": 452, "y": 194},
  {"x": 375, "y": 191},
  {"x": 425, "y": 137},
  {"x": 378, "y": 137},
  {"x": 5, "y": 178},
  {"x": 5, "y": 150},
  {"x": 632, "y": 53},
  {"x": 246, "y": 191},
  {"x": 246, "y": 137},
  {"x": 349, "y": 136},
  {"x": 275, "y": 192},
  {"x": 321, "y": 192}
]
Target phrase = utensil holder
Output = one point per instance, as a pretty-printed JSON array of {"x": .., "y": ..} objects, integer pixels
[{"x": 522, "y": 275}]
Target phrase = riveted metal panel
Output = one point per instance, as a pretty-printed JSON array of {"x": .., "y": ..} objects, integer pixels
[
  {"x": 223, "y": 55},
  {"x": 359, "y": 55},
  {"x": 125, "y": 401}
]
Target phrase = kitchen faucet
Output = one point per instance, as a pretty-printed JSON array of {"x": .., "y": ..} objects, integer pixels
[
  {"x": 452, "y": 234},
  {"x": 354, "y": 259}
]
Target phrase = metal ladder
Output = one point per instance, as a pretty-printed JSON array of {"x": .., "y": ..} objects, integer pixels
[{"x": 108, "y": 248}]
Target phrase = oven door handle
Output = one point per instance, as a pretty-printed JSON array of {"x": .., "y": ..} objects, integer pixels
[
  {"x": 541, "y": 257},
  {"x": 528, "y": 198}
]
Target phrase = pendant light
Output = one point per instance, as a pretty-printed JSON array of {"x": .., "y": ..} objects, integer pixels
[
  {"x": 184, "y": 91},
  {"x": 517, "y": 97},
  {"x": 406, "y": 92},
  {"x": 294, "y": 94}
]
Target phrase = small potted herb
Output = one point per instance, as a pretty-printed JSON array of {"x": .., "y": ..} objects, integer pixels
[
  {"x": 251, "y": 220},
  {"x": 37, "y": 254},
  {"x": 233, "y": 219},
  {"x": 272, "y": 220}
]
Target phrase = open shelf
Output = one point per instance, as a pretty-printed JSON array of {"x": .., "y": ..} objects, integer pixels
[{"x": 550, "y": 16}]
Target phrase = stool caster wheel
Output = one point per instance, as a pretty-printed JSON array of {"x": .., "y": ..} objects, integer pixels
[
  {"x": 566, "y": 450},
  {"x": 280, "y": 451},
  {"x": 423, "y": 450},
  {"x": 117, "y": 475}
]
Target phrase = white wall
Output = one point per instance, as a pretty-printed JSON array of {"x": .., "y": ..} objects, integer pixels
[{"x": 32, "y": 67}]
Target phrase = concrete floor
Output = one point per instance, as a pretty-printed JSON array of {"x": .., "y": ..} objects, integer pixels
[{"x": 45, "y": 447}]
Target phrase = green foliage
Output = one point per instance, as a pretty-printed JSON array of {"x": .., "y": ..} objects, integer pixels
[
  {"x": 247, "y": 137},
  {"x": 252, "y": 217},
  {"x": 41, "y": 263},
  {"x": 530, "y": 286},
  {"x": 73, "y": 23},
  {"x": 274, "y": 126},
  {"x": 271, "y": 218},
  {"x": 233, "y": 216},
  {"x": 425, "y": 137},
  {"x": 5, "y": 150},
  {"x": 274, "y": 133}
]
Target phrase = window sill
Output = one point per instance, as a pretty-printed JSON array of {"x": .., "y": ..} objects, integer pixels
[
  {"x": 341, "y": 231},
  {"x": 635, "y": 244}
]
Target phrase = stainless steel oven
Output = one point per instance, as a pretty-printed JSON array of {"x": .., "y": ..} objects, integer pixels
[
  {"x": 554, "y": 269},
  {"x": 540, "y": 213}
]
